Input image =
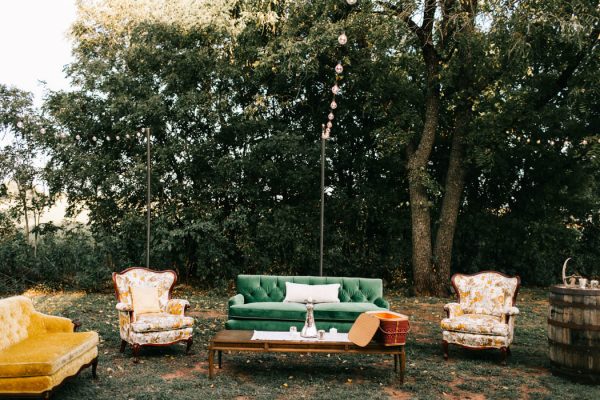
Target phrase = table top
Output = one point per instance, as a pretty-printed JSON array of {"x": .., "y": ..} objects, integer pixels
[{"x": 234, "y": 337}]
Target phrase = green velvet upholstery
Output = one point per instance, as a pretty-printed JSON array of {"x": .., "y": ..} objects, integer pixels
[{"x": 259, "y": 304}]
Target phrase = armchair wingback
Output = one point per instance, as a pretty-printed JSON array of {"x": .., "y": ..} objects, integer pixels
[
  {"x": 484, "y": 314},
  {"x": 169, "y": 326},
  {"x": 259, "y": 303}
]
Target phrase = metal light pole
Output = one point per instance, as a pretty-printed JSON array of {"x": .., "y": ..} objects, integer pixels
[
  {"x": 148, "y": 198},
  {"x": 324, "y": 137}
]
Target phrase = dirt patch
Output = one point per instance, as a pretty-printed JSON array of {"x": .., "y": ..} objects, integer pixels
[
  {"x": 209, "y": 314},
  {"x": 397, "y": 394},
  {"x": 187, "y": 373}
]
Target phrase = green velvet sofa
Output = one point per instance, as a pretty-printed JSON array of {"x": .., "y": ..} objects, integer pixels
[{"x": 259, "y": 303}]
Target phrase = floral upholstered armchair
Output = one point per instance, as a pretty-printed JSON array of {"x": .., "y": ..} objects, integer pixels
[
  {"x": 165, "y": 324},
  {"x": 484, "y": 316}
]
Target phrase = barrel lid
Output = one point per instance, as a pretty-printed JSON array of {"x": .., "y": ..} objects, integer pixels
[{"x": 562, "y": 289}]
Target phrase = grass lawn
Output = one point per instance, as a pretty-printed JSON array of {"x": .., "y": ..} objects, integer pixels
[{"x": 167, "y": 373}]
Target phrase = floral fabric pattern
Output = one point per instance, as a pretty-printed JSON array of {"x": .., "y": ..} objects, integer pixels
[
  {"x": 160, "y": 322},
  {"x": 484, "y": 315},
  {"x": 169, "y": 326},
  {"x": 475, "y": 340},
  {"x": 476, "y": 323},
  {"x": 177, "y": 306},
  {"x": 164, "y": 337}
]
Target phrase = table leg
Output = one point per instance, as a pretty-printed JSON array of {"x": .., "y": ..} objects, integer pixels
[
  {"x": 220, "y": 353},
  {"x": 211, "y": 360},
  {"x": 402, "y": 356}
]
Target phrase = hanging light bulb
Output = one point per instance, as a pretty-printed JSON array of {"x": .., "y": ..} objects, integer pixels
[
  {"x": 335, "y": 89},
  {"x": 331, "y": 116},
  {"x": 77, "y": 137},
  {"x": 20, "y": 124},
  {"x": 333, "y": 106},
  {"x": 94, "y": 138},
  {"x": 108, "y": 138},
  {"x": 139, "y": 134},
  {"x": 43, "y": 131},
  {"x": 117, "y": 138},
  {"x": 329, "y": 124},
  {"x": 538, "y": 141},
  {"x": 351, "y": 2},
  {"x": 342, "y": 39},
  {"x": 339, "y": 68},
  {"x": 127, "y": 136},
  {"x": 584, "y": 142}
]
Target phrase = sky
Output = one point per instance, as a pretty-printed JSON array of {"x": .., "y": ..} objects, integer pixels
[{"x": 34, "y": 45}]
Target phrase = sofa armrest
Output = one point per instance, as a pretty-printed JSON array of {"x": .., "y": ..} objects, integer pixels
[
  {"x": 177, "y": 306},
  {"x": 236, "y": 300},
  {"x": 54, "y": 324},
  {"x": 124, "y": 307},
  {"x": 381, "y": 302},
  {"x": 453, "y": 310}
]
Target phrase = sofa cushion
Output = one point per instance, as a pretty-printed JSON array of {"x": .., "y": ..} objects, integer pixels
[
  {"x": 44, "y": 355},
  {"x": 157, "y": 322},
  {"x": 343, "y": 311},
  {"x": 476, "y": 323},
  {"x": 270, "y": 288},
  {"x": 269, "y": 310},
  {"x": 301, "y": 293}
]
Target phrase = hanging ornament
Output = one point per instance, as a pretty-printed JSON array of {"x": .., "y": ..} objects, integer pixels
[
  {"x": 333, "y": 106},
  {"x": 43, "y": 131},
  {"x": 331, "y": 116},
  {"x": 335, "y": 89},
  {"x": 342, "y": 39},
  {"x": 339, "y": 68}
]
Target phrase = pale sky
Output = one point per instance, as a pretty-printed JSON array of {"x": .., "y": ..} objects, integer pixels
[{"x": 34, "y": 45}]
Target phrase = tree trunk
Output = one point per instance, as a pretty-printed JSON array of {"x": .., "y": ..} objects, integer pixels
[
  {"x": 23, "y": 197},
  {"x": 455, "y": 181},
  {"x": 419, "y": 201}
]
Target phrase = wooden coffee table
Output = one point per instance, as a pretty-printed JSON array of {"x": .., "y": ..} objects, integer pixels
[{"x": 231, "y": 340}]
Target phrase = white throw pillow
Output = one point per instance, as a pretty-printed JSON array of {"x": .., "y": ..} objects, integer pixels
[{"x": 300, "y": 293}]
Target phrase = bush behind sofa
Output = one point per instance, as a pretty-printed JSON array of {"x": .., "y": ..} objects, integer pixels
[{"x": 259, "y": 303}]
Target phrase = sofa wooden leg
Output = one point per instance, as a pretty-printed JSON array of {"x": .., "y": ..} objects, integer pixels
[
  {"x": 220, "y": 358},
  {"x": 123, "y": 344},
  {"x": 94, "y": 368},
  {"x": 445, "y": 348},
  {"x": 190, "y": 342},
  {"x": 136, "y": 352},
  {"x": 508, "y": 351},
  {"x": 503, "y": 353}
]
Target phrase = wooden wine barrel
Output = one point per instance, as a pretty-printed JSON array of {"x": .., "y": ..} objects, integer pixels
[{"x": 574, "y": 332}]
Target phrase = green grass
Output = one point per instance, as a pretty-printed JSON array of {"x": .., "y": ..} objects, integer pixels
[{"x": 167, "y": 373}]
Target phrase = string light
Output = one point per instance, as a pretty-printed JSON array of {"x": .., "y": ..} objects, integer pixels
[
  {"x": 342, "y": 39},
  {"x": 329, "y": 124},
  {"x": 331, "y": 116},
  {"x": 339, "y": 68},
  {"x": 94, "y": 138},
  {"x": 333, "y": 106},
  {"x": 43, "y": 131},
  {"x": 335, "y": 89},
  {"x": 351, "y": 2},
  {"x": 77, "y": 137},
  {"x": 20, "y": 124}
]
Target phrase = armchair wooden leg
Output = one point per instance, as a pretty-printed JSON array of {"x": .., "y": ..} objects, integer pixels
[
  {"x": 445, "y": 348},
  {"x": 123, "y": 344},
  {"x": 136, "y": 352},
  {"x": 503, "y": 353},
  {"x": 94, "y": 368},
  {"x": 190, "y": 342}
]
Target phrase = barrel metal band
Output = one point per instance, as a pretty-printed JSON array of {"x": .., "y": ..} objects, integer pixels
[
  {"x": 574, "y": 326},
  {"x": 575, "y": 347},
  {"x": 559, "y": 303}
]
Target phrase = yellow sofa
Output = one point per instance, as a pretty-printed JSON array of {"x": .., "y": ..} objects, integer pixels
[{"x": 38, "y": 352}]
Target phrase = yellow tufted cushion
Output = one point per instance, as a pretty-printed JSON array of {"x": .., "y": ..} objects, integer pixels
[
  {"x": 39, "y": 384},
  {"x": 15, "y": 316},
  {"x": 45, "y": 354}
]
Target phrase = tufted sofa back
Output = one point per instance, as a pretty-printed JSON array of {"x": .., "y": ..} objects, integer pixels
[
  {"x": 486, "y": 292},
  {"x": 263, "y": 288},
  {"x": 138, "y": 276},
  {"x": 15, "y": 319}
]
